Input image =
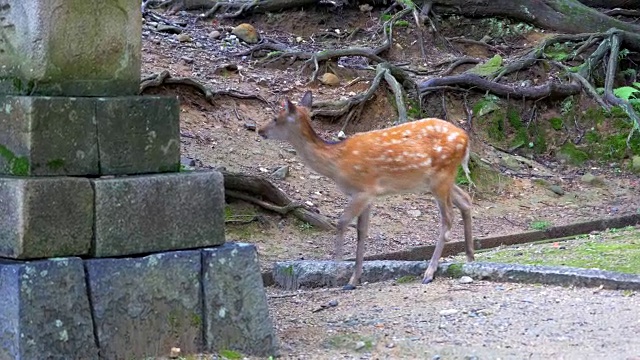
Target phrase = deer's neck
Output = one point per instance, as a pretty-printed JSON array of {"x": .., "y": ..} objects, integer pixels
[{"x": 318, "y": 154}]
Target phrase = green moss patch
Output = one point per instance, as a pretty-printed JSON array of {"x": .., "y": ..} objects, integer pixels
[{"x": 614, "y": 250}]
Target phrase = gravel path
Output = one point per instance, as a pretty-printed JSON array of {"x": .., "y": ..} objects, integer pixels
[{"x": 450, "y": 320}]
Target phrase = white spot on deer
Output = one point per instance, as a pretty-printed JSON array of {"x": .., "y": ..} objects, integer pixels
[
  {"x": 438, "y": 128},
  {"x": 395, "y": 141},
  {"x": 452, "y": 136},
  {"x": 406, "y": 133},
  {"x": 437, "y": 148},
  {"x": 385, "y": 134},
  {"x": 430, "y": 127},
  {"x": 443, "y": 157},
  {"x": 357, "y": 167},
  {"x": 459, "y": 146},
  {"x": 355, "y": 152},
  {"x": 400, "y": 159},
  {"x": 426, "y": 162}
]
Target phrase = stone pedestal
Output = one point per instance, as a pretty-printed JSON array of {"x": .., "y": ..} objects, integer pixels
[
  {"x": 90, "y": 171},
  {"x": 70, "y": 47}
]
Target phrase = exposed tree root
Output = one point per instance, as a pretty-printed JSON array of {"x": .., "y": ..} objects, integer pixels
[
  {"x": 164, "y": 78},
  {"x": 240, "y": 185},
  {"x": 551, "y": 89}
]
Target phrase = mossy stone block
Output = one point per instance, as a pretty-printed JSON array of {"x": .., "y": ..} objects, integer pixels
[
  {"x": 138, "y": 134},
  {"x": 47, "y": 136},
  {"x": 235, "y": 304},
  {"x": 151, "y": 213},
  {"x": 44, "y": 310},
  {"x": 142, "y": 307},
  {"x": 45, "y": 217},
  {"x": 70, "y": 47}
]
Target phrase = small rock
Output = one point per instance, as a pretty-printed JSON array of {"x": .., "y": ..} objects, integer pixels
[
  {"x": 436, "y": 357},
  {"x": 299, "y": 39},
  {"x": 169, "y": 29},
  {"x": 591, "y": 179},
  {"x": 448, "y": 312},
  {"x": 330, "y": 79},
  {"x": 175, "y": 353},
  {"x": 360, "y": 345},
  {"x": 486, "y": 39},
  {"x": 635, "y": 164},
  {"x": 465, "y": 280},
  {"x": 414, "y": 213},
  {"x": 184, "y": 38},
  {"x": 247, "y": 33},
  {"x": 215, "y": 34},
  {"x": 342, "y": 135},
  {"x": 333, "y": 303},
  {"x": 187, "y": 59},
  {"x": 391, "y": 345},
  {"x": 557, "y": 189},
  {"x": 281, "y": 173},
  {"x": 366, "y": 8},
  {"x": 250, "y": 126},
  {"x": 187, "y": 161}
]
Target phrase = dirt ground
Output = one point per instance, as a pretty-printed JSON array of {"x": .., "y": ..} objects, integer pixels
[
  {"x": 450, "y": 320},
  {"x": 493, "y": 320}
]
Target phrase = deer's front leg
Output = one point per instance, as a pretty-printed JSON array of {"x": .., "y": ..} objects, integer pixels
[
  {"x": 363, "y": 234},
  {"x": 356, "y": 206}
]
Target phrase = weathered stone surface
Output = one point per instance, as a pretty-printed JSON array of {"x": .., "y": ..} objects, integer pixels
[
  {"x": 552, "y": 275},
  {"x": 138, "y": 134},
  {"x": 235, "y": 304},
  {"x": 44, "y": 311},
  {"x": 293, "y": 275},
  {"x": 151, "y": 213},
  {"x": 635, "y": 164},
  {"x": 45, "y": 217},
  {"x": 142, "y": 307},
  {"x": 70, "y": 47},
  {"x": 47, "y": 136}
]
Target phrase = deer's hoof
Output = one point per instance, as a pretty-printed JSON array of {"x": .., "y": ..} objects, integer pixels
[
  {"x": 348, "y": 287},
  {"x": 427, "y": 280}
]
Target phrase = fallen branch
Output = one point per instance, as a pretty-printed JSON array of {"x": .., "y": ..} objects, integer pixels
[{"x": 236, "y": 185}]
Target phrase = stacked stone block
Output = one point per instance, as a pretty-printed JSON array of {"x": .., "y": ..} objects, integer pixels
[{"x": 107, "y": 250}]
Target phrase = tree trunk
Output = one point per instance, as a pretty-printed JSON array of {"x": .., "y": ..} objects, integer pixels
[{"x": 568, "y": 16}]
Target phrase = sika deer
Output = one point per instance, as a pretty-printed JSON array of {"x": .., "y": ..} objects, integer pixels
[{"x": 420, "y": 156}]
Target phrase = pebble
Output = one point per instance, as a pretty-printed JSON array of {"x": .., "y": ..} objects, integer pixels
[
  {"x": 448, "y": 312},
  {"x": 184, "y": 38},
  {"x": 215, "y": 34},
  {"x": 360, "y": 345},
  {"x": 281, "y": 173},
  {"x": 414, "y": 213},
  {"x": 465, "y": 280}
]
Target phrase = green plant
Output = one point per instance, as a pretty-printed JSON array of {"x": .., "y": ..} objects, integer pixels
[
  {"x": 406, "y": 279},
  {"x": 556, "y": 123},
  {"x": 230, "y": 354},
  {"x": 557, "y": 51},
  {"x": 540, "y": 225}
]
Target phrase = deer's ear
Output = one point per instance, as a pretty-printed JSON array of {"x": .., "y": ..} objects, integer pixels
[{"x": 307, "y": 100}]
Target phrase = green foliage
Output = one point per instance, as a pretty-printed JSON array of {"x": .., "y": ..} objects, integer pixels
[
  {"x": 521, "y": 137},
  {"x": 540, "y": 225},
  {"x": 626, "y": 92},
  {"x": 505, "y": 27},
  {"x": 230, "y": 355},
  {"x": 406, "y": 279},
  {"x": 402, "y": 23},
  {"x": 455, "y": 270},
  {"x": 16, "y": 165},
  {"x": 486, "y": 105},
  {"x": 557, "y": 52},
  {"x": 556, "y": 123},
  {"x": 385, "y": 17},
  {"x": 572, "y": 154},
  {"x": 489, "y": 67}
]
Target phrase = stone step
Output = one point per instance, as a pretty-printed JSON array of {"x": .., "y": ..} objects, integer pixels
[
  {"x": 66, "y": 136},
  {"x": 65, "y": 216}
]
